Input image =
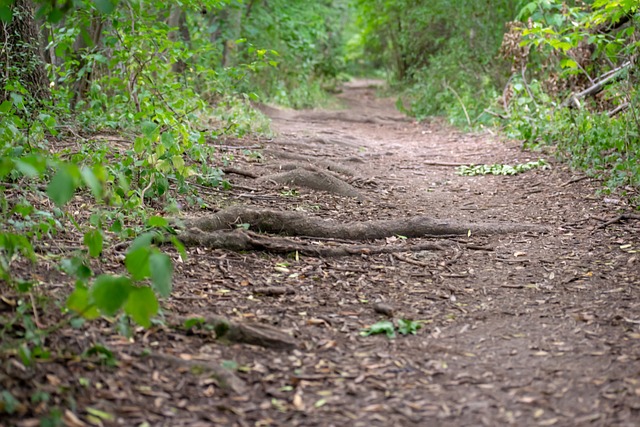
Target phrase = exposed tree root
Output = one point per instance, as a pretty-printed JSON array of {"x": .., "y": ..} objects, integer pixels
[
  {"x": 315, "y": 180},
  {"x": 342, "y": 116},
  {"x": 240, "y": 172},
  {"x": 248, "y": 333},
  {"x": 318, "y": 163},
  {"x": 238, "y": 240},
  {"x": 226, "y": 379},
  {"x": 298, "y": 223}
]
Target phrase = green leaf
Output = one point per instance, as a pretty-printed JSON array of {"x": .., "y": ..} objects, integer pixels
[
  {"x": 382, "y": 327},
  {"x": 161, "y": 272},
  {"x": 141, "y": 306},
  {"x": 31, "y": 166},
  {"x": 104, "y": 355},
  {"x": 92, "y": 181},
  {"x": 5, "y": 107},
  {"x": 100, "y": 414},
  {"x": 25, "y": 355},
  {"x": 143, "y": 240},
  {"x": 137, "y": 262},
  {"x": 179, "y": 247},
  {"x": 5, "y": 13},
  {"x": 109, "y": 293},
  {"x": 194, "y": 321},
  {"x": 157, "y": 221},
  {"x": 76, "y": 267},
  {"x": 61, "y": 187},
  {"x": 105, "y": 6},
  {"x": 78, "y": 301},
  {"x": 9, "y": 403},
  {"x": 568, "y": 63},
  {"x": 93, "y": 240},
  {"x": 408, "y": 326},
  {"x": 148, "y": 128}
]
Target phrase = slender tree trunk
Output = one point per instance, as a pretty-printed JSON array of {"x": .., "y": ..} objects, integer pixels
[
  {"x": 178, "y": 18},
  {"x": 81, "y": 46},
  {"x": 20, "y": 52}
]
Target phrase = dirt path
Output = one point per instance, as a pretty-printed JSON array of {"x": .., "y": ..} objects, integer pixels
[{"x": 524, "y": 329}]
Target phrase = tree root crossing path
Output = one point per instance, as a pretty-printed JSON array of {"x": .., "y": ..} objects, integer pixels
[{"x": 523, "y": 291}]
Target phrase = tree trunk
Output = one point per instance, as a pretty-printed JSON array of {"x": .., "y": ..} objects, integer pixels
[
  {"x": 178, "y": 18},
  {"x": 20, "y": 51},
  {"x": 81, "y": 46}
]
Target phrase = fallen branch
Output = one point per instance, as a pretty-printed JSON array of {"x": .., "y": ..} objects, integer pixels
[
  {"x": 619, "y": 219},
  {"x": 618, "y": 109},
  {"x": 428, "y": 163},
  {"x": 573, "y": 100},
  {"x": 574, "y": 180}
]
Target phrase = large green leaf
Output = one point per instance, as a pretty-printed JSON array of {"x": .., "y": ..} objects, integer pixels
[
  {"x": 109, "y": 293},
  {"x": 31, "y": 166},
  {"x": 142, "y": 305},
  {"x": 79, "y": 302},
  {"x": 5, "y": 13},
  {"x": 137, "y": 263},
  {"x": 61, "y": 187},
  {"x": 161, "y": 272},
  {"x": 93, "y": 240},
  {"x": 92, "y": 181}
]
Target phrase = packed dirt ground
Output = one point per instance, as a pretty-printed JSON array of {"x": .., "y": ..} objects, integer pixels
[{"x": 539, "y": 327}]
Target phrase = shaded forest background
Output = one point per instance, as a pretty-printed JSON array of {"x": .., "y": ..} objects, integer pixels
[{"x": 178, "y": 78}]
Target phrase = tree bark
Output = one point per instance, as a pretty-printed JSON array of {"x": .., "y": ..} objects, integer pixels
[{"x": 20, "y": 51}]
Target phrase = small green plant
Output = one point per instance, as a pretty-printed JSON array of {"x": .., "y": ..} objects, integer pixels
[
  {"x": 403, "y": 327},
  {"x": 292, "y": 192},
  {"x": 498, "y": 169}
]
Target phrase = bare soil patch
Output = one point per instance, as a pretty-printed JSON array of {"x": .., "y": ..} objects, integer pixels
[{"x": 531, "y": 319}]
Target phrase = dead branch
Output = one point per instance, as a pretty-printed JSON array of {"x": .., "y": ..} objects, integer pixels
[
  {"x": 618, "y": 219},
  {"x": 573, "y": 100},
  {"x": 427, "y": 163},
  {"x": 574, "y": 180},
  {"x": 618, "y": 109}
]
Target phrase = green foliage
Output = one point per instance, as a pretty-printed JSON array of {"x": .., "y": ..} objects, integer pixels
[
  {"x": 404, "y": 327},
  {"x": 308, "y": 38},
  {"x": 383, "y": 327},
  {"x": 498, "y": 169},
  {"x": 442, "y": 52},
  {"x": 408, "y": 327},
  {"x": 577, "y": 46}
]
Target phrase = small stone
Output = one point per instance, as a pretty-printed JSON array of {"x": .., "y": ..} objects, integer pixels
[{"x": 382, "y": 308}]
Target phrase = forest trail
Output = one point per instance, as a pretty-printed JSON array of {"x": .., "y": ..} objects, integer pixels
[{"x": 523, "y": 329}]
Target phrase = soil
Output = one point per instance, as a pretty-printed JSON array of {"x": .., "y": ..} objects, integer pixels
[{"x": 524, "y": 328}]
